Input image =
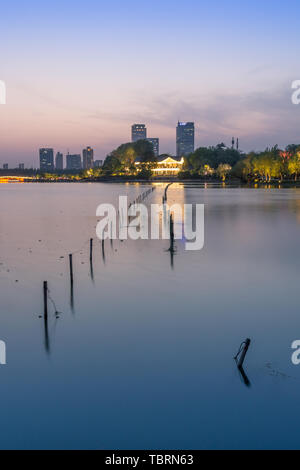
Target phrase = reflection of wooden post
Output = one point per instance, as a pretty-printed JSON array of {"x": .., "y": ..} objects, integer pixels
[
  {"x": 166, "y": 190},
  {"x": 45, "y": 299},
  {"x": 243, "y": 353},
  {"x": 47, "y": 341},
  {"x": 244, "y": 377}
]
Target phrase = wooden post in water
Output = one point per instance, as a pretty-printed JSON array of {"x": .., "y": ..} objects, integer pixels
[
  {"x": 91, "y": 259},
  {"x": 45, "y": 299},
  {"x": 171, "y": 249},
  {"x": 71, "y": 269},
  {"x": 103, "y": 251},
  {"x": 91, "y": 250},
  {"x": 243, "y": 353},
  {"x": 45, "y": 290},
  {"x": 171, "y": 233},
  {"x": 71, "y": 282}
]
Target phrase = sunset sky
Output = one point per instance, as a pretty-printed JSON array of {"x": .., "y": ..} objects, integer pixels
[{"x": 80, "y": 73}]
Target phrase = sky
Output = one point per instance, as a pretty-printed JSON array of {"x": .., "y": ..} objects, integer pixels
[{"x": 80, "y": 73}]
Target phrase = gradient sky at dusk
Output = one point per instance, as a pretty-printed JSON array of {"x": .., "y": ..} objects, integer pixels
[{"x": 80, "y": 73}]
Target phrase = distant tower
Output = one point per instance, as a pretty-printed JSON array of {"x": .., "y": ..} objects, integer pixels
[
  {"x": 237, "y": 143},
  {"x": 88, "y": 158},
  {"x": 73, "y": 162},
  {"x": 46, "y": 159},
  {"x": 232, "y": 143},
  {"x": 155, "y": 143},
  {"x": 185, "y": 138},
  {"x": 59, "y": 161},
  {"x": 138, "y": 132}
]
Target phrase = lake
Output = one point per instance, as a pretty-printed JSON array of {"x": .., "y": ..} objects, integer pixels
[{"x": 142, "y": 357}]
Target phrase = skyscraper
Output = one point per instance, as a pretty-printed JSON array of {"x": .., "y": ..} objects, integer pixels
[
  {"x": 155, "y": 142},
  {"x": 88, "y": 158},
  {"x": 21, "y": 166},
  {"x": 46, "y": 159},
  {"x": 59, "y": 161},
  {"x": 185, "y": 138},
  {"x": 5, "y": 166},
  {"x": 138, "y": 132},
  {"x": 73, "y": 162}
]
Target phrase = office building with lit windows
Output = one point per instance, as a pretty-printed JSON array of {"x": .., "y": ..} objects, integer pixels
[{"x": 185, "y": 138}]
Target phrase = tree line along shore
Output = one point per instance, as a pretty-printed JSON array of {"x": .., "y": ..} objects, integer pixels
[{"x": 216, "y": 163}]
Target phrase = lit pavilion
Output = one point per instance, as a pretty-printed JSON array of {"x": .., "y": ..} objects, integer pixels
[{"x": 165, "y": 165}]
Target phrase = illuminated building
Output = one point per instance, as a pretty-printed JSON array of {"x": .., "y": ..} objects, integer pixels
[
  {"x": 165, "y": 166},
  {"x": 46, "y": 159},
  {"x": 138, "y": 132},
  {"x": 88, "y": 158},
  {"x": 155, "y": 143},
  {"x": 185, "y": 138}
]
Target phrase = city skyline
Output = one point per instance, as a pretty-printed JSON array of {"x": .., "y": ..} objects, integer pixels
[
  {"x": 237, "y": 82},
  {"x": 71, "y": 161},
  {"x": 185, "y": 144}
]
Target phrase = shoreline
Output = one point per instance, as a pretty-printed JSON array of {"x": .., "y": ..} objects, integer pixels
[{"x": 197, "y": 181}]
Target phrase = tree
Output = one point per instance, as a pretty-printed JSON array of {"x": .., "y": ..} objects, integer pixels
[
  {"x": 213, "y": 157},
  {"x": 294, "y": 165},
  {"x": 292, "y": 149},
  {"x": 122, "y": 160},
  {"x": 244, "y": 168},
  {"x": 112, "y": 165},
  {"x": 223, "y": 170},
  {"x": 144, "y": 150}
]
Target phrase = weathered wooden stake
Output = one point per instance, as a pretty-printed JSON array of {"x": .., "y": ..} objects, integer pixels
[
  {"x": 103, "y": 251},
  {"x": 91, "y": 250},
  {"x": 45, "y": 299},
  {"x": 71, "y": 269},
  {"x": 243, "y": 353},
  {"x": 171, "y": 233}
]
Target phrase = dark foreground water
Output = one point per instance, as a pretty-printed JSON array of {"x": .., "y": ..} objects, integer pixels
[{"x": 145, "y": 358}]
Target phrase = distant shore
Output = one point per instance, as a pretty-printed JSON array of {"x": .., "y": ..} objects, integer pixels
[{"x": 236, "y": 182}]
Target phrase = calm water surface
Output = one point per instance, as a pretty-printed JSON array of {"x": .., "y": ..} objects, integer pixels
[{"x": 145, "y": 357}]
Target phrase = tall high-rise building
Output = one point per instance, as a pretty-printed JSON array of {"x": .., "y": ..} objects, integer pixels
[
  {"x": 98, "y": 163},
  {"x": 88, "y": 158},
  {"x": 21, "y": 166},
  {"x": 59, "y": 161},
  {"x": 73, "y": 162},
  {"x": 5, "y": 166},
  {"x": 46, "y": 159},
  {"x": 155, "y": 142},
  {"x": 185, "y": 138},
  {"x": 138, "y": 132}
]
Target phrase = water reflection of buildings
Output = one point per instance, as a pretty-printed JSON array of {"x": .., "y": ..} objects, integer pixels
[{"x": 172, "y": 218}]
